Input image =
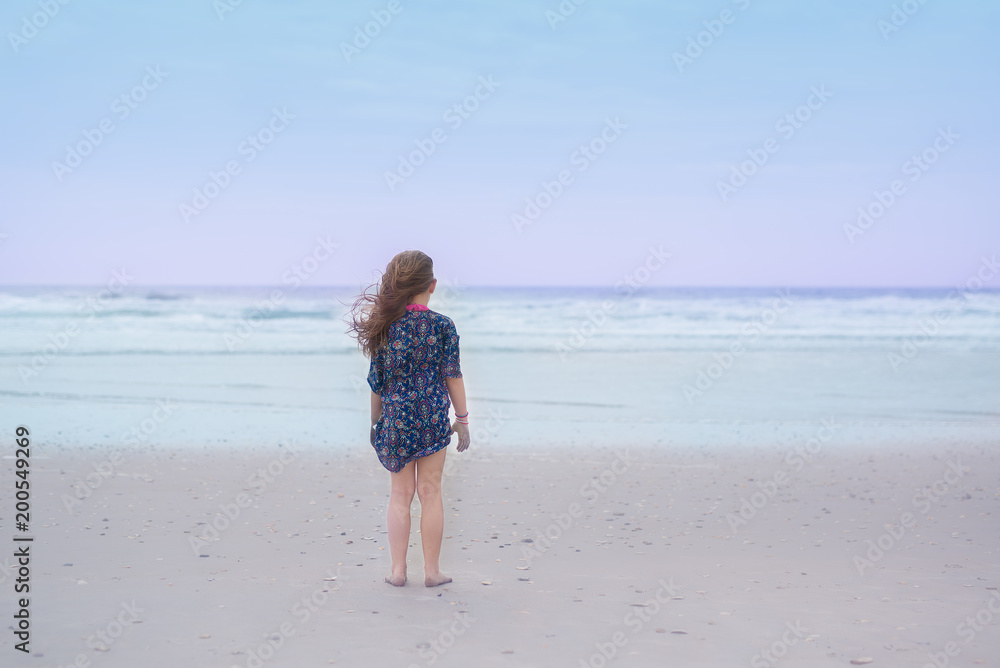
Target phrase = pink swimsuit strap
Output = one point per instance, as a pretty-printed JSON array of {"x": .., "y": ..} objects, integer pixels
[{"x": 416, "y": 307}]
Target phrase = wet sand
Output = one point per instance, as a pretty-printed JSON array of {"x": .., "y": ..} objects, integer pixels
[{"x": 631, "y": 556}]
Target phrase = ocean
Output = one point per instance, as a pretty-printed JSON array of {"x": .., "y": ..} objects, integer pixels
[{"x": 202, "y": 367}]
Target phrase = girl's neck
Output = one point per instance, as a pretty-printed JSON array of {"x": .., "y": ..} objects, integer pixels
[{"x": 420, "y": 299}]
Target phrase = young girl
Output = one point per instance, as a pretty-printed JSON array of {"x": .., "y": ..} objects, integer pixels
[{"x": 414, "y": 372}]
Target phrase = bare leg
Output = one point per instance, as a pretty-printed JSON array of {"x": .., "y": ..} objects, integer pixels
[
  {"x": 398, "y": 521},
  {"x": 429, "y": 470}
]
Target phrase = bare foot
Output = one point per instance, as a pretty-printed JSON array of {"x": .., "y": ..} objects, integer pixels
[
  {"x": 396, "y": 580},
  {"x": 436, "y": 580}
]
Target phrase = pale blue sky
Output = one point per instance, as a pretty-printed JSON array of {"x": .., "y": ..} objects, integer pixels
[{"x": 656, "y": 184}]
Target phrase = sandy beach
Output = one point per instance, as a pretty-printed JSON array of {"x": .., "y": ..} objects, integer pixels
[
  {"x": 716, "y": 286},
  {"x": 632, "y": 556}
]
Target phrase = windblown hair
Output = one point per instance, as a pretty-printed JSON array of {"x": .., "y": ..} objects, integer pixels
[{"x": 407, "y": 275}]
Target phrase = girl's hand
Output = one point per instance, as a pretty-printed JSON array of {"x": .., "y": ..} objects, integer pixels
[
  {"x": 463, "y": 435},
  {"x": 371, "y": 435}
]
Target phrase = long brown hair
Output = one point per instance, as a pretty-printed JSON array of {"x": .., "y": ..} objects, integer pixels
[{"x": 407, "y": 275}]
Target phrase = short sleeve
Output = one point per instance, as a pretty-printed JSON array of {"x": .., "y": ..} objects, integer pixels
[
  {"x": 376, "y": 373},
  {"x": 450, "y": 365}
]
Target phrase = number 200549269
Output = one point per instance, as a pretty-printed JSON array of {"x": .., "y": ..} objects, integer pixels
[{"x": 22, "y": 485}]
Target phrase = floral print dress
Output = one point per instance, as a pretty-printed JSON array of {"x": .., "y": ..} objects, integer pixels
[{"x": 409, "y": 374}]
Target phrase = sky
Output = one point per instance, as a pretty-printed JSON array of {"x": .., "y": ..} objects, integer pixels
[{"x": 749, "y": 142}]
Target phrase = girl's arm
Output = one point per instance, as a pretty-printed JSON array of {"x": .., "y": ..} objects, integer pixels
[
  {"x": 376, "y": 407},
  {"x": 456, "y": 390},
  {"x": 376, "y": 414}
]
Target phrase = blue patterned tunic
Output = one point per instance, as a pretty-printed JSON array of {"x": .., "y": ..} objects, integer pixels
[{"x": 409, "y": 374}]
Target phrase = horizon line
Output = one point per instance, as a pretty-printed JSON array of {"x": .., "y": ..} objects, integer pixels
[{"x": 132, "y": 287}]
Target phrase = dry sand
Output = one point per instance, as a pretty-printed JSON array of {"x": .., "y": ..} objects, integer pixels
[{"x": 648, "y": 563}]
